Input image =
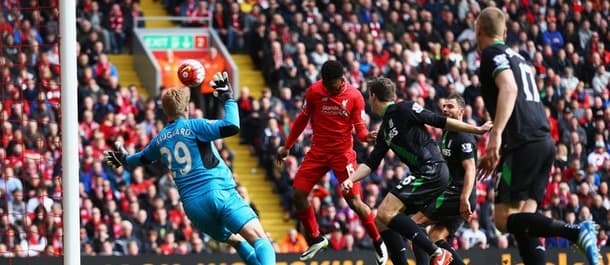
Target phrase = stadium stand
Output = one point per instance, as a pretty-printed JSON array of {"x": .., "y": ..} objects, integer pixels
[{"x": 426, "y": 47}]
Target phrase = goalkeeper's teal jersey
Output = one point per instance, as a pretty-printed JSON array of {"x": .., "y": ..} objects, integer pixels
[{"x": 186, "y": 146}]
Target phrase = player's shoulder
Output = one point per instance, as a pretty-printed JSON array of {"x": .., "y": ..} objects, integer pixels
[
  {"x": 405, "y": 104},
  {"x": 493, "y": 50},
  {"x": 464, "y": 137},
  {"x": 408, "y": 106},
  {"x": 315, "y": 89},
  {"x": 352, "y": 92},
  {"x": 316, "y": 86},
  {"x": 494, "y": 54}
]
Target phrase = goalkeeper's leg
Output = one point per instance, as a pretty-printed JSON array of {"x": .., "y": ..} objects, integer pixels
[
  {"x": 256, "y": 236},
  {"x": 244, "y": 249}
]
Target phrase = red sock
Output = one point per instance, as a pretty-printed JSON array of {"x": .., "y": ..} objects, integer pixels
[
  {"x": 308, "y": 219},
  {"x": 369, "y": 225}
]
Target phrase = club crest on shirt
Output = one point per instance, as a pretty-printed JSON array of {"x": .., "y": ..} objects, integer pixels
[
  {"x": 501, "y": 60},
  {"x": 466, "y": 147},
  {"x": 417, "y": 108},
  {"x": 344, "y": 108}
]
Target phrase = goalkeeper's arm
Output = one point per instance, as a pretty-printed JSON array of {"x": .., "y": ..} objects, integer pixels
[
  {"x": 224, "y": 92},
  {"x": 120, "y": 158}
]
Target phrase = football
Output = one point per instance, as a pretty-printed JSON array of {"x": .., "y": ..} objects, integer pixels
[{"x": 191, "y": 73}]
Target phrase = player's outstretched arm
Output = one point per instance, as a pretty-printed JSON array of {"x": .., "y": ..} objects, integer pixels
[
  {"x": 222, "y": 90},
  {"x": 459, "y": 126},
  {"x": 362, "y": 171},
  {"x": 365, "y": 169},
  {"x": 209, "y": 130},
  {"x": 119, "y": 156},
  {"x": 116, "y": 157},
  {"x": 300, "y": 122}
]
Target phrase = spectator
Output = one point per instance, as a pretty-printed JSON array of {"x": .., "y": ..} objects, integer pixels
[
  {"x": 599, "y": 155},
  {"x": 600, "y": 79},
  {"x": 413, "y": 35},
  {"x": 116, "y": 22},
  {"x": 293, "y": 242},
  {"x": 9, "y": 183},
  {"x": 473, "y": 237},
  {"x": 553, "y": 37}
]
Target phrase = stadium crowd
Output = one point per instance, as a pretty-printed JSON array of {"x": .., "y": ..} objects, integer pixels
[{"x": 426, "y": 47}]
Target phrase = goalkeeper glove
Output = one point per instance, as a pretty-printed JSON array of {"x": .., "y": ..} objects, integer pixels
[
  {"x": 116, "y": 158},
  {"x": 222, "y": 88}
]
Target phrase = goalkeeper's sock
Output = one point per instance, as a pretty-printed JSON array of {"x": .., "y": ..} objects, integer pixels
[
  {"x": 264, "y": 251},
  {"x": 247, "y": 253}
]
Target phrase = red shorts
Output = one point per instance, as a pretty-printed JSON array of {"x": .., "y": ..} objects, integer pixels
[{"x": 317, "y": 164}]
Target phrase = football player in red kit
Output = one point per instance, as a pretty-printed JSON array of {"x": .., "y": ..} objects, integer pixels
[{"x": 334, "y": 109}]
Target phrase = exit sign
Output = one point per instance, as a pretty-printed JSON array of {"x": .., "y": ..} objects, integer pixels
[{"x": 176, "y": 42}]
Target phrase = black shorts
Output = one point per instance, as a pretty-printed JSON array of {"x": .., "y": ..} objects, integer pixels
[
  {"x": 418, "y": 190},
  {"x": 524, "y": 172},
  {"x": 445, "y": 210}
]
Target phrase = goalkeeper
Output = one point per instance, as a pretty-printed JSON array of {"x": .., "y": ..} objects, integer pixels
[{"x": 205, "y": 183}]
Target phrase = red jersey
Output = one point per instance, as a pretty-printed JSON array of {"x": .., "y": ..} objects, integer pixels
[{"x": 333, "y": 118}]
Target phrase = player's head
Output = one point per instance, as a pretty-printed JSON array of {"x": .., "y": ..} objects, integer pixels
[
  {"x": 381, "y": 91},
  {"x": 332, "y": 76},
  {"x": 490, "y": 26},
  {"x": 453, "y": 107},
  {"x": 175, "y": 102}
]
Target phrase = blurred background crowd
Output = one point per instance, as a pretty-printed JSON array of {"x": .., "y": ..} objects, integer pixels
[{"x": 427, "y": 47}]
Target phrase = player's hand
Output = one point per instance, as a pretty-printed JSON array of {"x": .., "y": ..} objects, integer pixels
[
  {"x": 485, "y": 169},
  {"x": 465, "y": 211},
  {"x": 489, "y": 162},
  {"x": 371, "y": 137},
  {"x": 347, "y": 185},
  {"x": 282, "y": 152},
  {"x": 486, "y": 127},
  {"x": 116, "y": 158},
  {"x": 222, "y": 88},
  {"x": 493, "y": 147}
]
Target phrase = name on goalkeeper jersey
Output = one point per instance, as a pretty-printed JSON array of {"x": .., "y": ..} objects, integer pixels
[{"x": 171, "y": 134}]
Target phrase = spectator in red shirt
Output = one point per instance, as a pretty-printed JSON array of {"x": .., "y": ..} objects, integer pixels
[{"x": 116, "y": 25}]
